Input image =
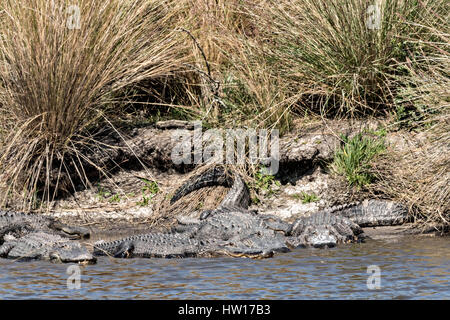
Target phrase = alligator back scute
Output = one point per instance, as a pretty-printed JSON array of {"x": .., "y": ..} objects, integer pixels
[{"x": 151, "y": 245}]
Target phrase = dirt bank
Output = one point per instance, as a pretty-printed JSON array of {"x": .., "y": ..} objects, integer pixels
[{"x": 124, "y": 204}]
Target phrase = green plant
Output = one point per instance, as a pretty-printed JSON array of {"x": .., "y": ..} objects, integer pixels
[
  {"x": 145, "y": 200},
  {"x": 308, "y": 198},
  {"x": 264, "y": 183},
  {"x": 381, "y": 132},
  {"x": 199, "y": 206},
  {"x": 150, "y": 186},
  {"x": 114, "y": 198},
  {"x": 102, "y": 193},
  {"x": 148, "y": 191},
  {"x": 353, "y": 160}
]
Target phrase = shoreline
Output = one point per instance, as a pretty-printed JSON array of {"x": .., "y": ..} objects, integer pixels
[{"x": 303, "y": 151}]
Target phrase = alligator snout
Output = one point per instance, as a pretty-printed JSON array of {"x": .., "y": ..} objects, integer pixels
[{"x": 72, "y": 256}]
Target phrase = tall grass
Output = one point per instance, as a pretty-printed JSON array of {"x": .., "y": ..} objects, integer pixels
[
  {"x": 57, "y": 81},
  {"x": 341, "y": 58},
  {"x": 419, "y": 175},
  {"x": 241, "y": 88},
  {"x": 219, "y": 31}
]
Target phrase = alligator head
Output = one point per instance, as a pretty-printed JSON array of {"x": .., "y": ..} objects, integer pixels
[
  {"x": 71, "y": 253},
  {"x": 71, "y": 232}
]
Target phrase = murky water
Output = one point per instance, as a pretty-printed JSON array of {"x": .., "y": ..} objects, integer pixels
[{"x": 411, "y": 268}]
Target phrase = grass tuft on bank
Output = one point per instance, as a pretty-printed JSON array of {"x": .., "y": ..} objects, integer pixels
[
  {"x": 61, "y": 64},
  {"x": 355, "y": 158}
]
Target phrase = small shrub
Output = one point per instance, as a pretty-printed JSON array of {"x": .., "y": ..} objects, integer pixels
[
  {"x": 263, "y": 184},
  {"x": 353, "y": 160},
  {"x": 306, "y": 197}
]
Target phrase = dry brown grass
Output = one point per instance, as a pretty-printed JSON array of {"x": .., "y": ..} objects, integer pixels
[
  {"x": 232, "y": 83},
  {"x": 334, "y": 62},
  {"x": 58, "y": 82},
  {"x": 418, "y": 173}
]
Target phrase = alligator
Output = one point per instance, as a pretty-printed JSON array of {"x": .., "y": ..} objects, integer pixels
[
  {"x": 151, "y": 245},
  {"x": 45, "y": 246},
  {"x": 20, "y": 223},
  {"x": 325, "y": 229},
  {"x": 233, "y": 230},
  {"x": 374, "y": 213},
  {"x": 229, "y": 230},
  {"x": 29, "y": 236}
]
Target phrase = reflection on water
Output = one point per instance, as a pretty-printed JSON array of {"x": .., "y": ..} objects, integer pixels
[{"x": 411, "y": 268}]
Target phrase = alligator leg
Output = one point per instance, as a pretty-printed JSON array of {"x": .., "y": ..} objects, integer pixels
[{"x": 5, "y": 249}]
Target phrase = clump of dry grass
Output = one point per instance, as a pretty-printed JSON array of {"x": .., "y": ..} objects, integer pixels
[
  {"x": 243, "y": 90},
  {"x": 419, "y": 174},
  {"x": 57, "y": 80},
  {"x": 339, "y": 57},
  {"x": 215, "y": 29}
]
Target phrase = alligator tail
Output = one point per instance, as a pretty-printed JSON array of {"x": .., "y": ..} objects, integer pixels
[{"x": 217, "y": 176}]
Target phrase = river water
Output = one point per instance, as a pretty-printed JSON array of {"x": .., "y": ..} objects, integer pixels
[{"x": 410, "y": 268}]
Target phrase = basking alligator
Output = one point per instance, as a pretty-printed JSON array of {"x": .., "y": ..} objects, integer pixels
[
  {"x": 230, "y": 230},
  {"x": 19, "y": 224},
  {"x": 374, "y": 213},
  {"x": 151, "y": 245},
  {"x": 233, "y": 230},
  {"x": 30, "y": 236},
  {"x": 45, "y": 246}
]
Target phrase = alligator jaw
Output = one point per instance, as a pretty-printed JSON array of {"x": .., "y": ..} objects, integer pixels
[{"x": 72, "y": 257}]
